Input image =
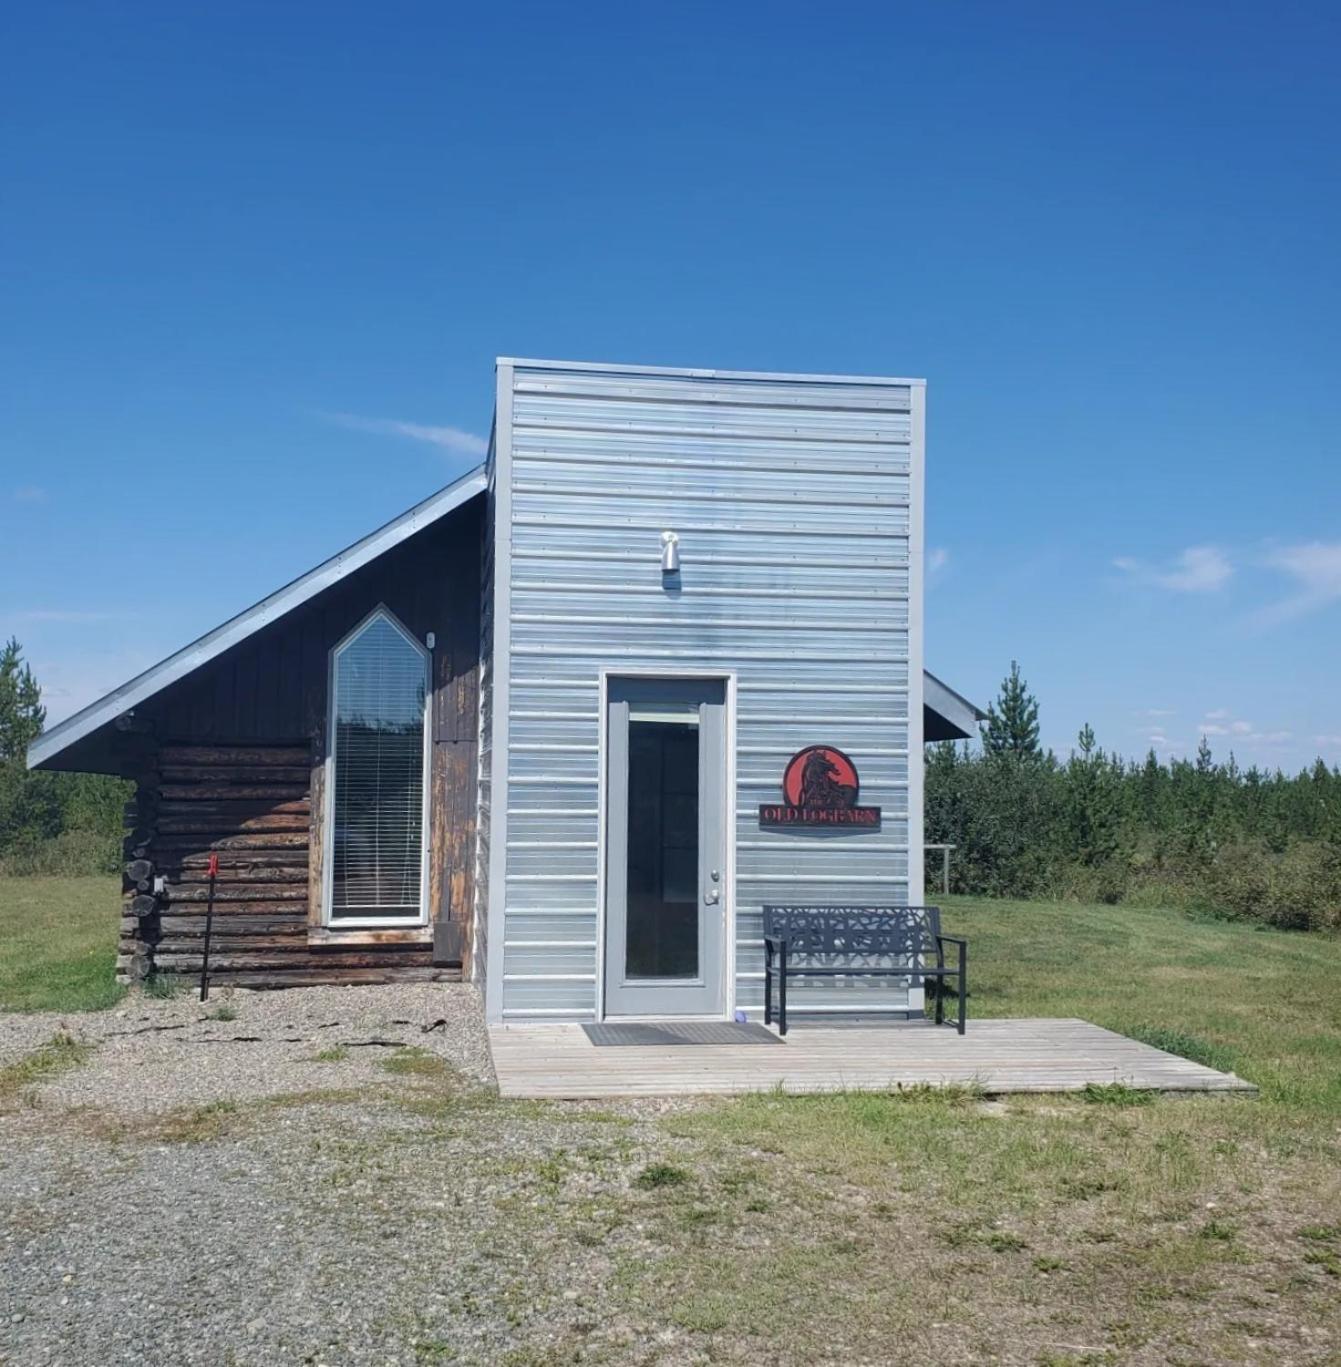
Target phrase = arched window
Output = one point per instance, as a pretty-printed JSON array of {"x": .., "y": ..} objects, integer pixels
[{"x": 376, "y": 780}]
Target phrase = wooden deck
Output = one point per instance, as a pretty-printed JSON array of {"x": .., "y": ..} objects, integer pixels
[{"x": 998, "y": 1055}]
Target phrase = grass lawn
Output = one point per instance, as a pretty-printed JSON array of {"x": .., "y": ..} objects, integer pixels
[
  {"x": 1265, "y": 1004},
  {"x": 1048, "y": 1230},
  {"x": 58, "y": 943},
  {"x": 926, "y": 1226}
]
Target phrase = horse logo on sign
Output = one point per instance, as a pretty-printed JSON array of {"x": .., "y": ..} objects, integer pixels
[{"x": 819, "y": 788}]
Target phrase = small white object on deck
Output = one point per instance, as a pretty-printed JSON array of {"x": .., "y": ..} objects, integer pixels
[{"x": 999, "y": 1056}]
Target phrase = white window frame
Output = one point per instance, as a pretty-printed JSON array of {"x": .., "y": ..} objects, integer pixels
[{"x": 328, "y": 920}]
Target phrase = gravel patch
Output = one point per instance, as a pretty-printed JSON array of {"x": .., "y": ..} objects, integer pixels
[
  {"x": 155, "y": 1054},
  {"x": 204, "y": 1192}
]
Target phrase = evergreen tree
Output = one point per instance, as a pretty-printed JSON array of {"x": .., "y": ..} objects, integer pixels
[
  {"x": 1205, "y": 763},
  {"x": 70, "y": 822},
  {"x": 1093, "y": 802},
  {"x": 21, "y": 712},
  {"x": 1251, "y": 843},
  {"x": 1012, "y": 721}
]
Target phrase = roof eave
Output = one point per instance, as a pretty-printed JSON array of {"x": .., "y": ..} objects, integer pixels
[{"x": 953, "y": 708}]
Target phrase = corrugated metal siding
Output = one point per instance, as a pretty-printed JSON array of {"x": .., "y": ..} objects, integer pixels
[{"x": 794, "y": 506}]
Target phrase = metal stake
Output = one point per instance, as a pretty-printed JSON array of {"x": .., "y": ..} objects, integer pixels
[{"x": 209, "y": 926}]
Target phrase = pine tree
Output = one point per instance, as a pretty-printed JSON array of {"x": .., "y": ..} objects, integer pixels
[
  {"x": 1095, "y": 814},
  {"x": 72, "y": 818},
  {"x": 22, "y": 715},
  {"x": 1205, "y": 761},
  {"x": 1012, "y": 721}
]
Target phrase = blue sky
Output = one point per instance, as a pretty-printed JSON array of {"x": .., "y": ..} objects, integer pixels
[{"x": 256, "y": 261}]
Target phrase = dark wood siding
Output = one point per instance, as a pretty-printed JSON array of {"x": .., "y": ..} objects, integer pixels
[{"x": 234, "y": 753}]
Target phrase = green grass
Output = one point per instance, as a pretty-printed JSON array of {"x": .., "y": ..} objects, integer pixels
[
  {"x": 1116, "y": 1094},
  {"x": 58, "y": 943},
  {"x": 58, "y": 1055},
  {"x": 656, "y": 1175},
  {"x": 1180, "y": 1228},
  {"x": 1261, "y": 1003},
  {"x": 415, "y": 1061}
]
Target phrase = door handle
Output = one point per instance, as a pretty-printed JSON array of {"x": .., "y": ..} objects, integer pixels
[{"x": 711, "y": 897}]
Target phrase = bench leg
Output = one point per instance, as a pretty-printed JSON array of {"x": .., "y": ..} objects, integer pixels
[
  {"x": 782, "y": 988},
  {"x": 768, "y": 983},
  {"x": 963, "y": 985}
]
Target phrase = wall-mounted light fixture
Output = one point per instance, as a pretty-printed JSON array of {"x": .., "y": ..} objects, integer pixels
[{"x": 670, "y": 553}]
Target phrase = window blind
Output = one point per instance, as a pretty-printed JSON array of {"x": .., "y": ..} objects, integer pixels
[{"x": 380, "y": 687}]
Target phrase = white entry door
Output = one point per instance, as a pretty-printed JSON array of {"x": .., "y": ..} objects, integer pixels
[{"x": 665, "y": 898}]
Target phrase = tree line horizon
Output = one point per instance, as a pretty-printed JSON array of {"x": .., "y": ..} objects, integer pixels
[{"x": 1194, "y": 833}]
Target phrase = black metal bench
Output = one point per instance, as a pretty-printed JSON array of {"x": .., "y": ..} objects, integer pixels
[{"x": 842, "y": 942}]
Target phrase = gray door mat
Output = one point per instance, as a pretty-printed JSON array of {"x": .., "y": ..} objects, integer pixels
[{"x": 679, "y": 1032}]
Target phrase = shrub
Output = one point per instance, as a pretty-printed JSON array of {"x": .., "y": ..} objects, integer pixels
[
  {"x": 68, "y": 853},
  {"x": 1191, "y": 834},
  {"x": 1297, "y": 889}
]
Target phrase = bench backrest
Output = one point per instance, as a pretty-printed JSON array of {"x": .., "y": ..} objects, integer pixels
[{"x": 855, "y": 932}]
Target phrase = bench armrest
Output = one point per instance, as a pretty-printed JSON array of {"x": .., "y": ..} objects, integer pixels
[{"x": 952, "y": 940}]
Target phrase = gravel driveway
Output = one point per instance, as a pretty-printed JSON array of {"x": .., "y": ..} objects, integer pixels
[{"x": 315, "y": 1177}]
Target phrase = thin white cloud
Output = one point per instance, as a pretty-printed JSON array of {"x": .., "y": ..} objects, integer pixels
[
  {"x": 1315, "y": 567},
  {"x": 1220, "y": 722},
  {"x": 29, "y": 493},
  {"x": 937, "y": 559},
  {"x": 1241, "y": 730},
  {"x": 1198, "y": 569},
  {"x": 1154, "y": 713},
  {"x": 1327, "y": 741},
  {"x": 453, "y": 439}
]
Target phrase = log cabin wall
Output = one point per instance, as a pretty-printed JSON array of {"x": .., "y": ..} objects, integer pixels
[{"x": 232, "y": 761}]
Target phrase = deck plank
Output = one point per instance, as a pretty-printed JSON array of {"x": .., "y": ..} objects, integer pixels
[{"x": 1000, "y": 1056}]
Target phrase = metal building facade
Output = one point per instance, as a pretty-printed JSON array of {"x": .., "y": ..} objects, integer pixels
[{"x": 798, "y": 504}]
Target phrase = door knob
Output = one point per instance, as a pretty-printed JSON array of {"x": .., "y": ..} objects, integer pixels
[{"x": 711, "y": 897}]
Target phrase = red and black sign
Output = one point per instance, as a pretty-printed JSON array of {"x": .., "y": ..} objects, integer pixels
[{"x": 819, "y": 788}]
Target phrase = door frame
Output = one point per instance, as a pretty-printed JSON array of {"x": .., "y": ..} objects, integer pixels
[{"x": 729, "y": 805}]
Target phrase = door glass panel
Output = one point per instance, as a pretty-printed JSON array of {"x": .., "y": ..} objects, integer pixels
[{"x": 662, "y": 937}]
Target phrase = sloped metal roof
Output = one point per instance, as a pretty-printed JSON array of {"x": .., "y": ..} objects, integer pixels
[
  {"x": 130, "y": 694},
  {"x": 957, "y": 718}
]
